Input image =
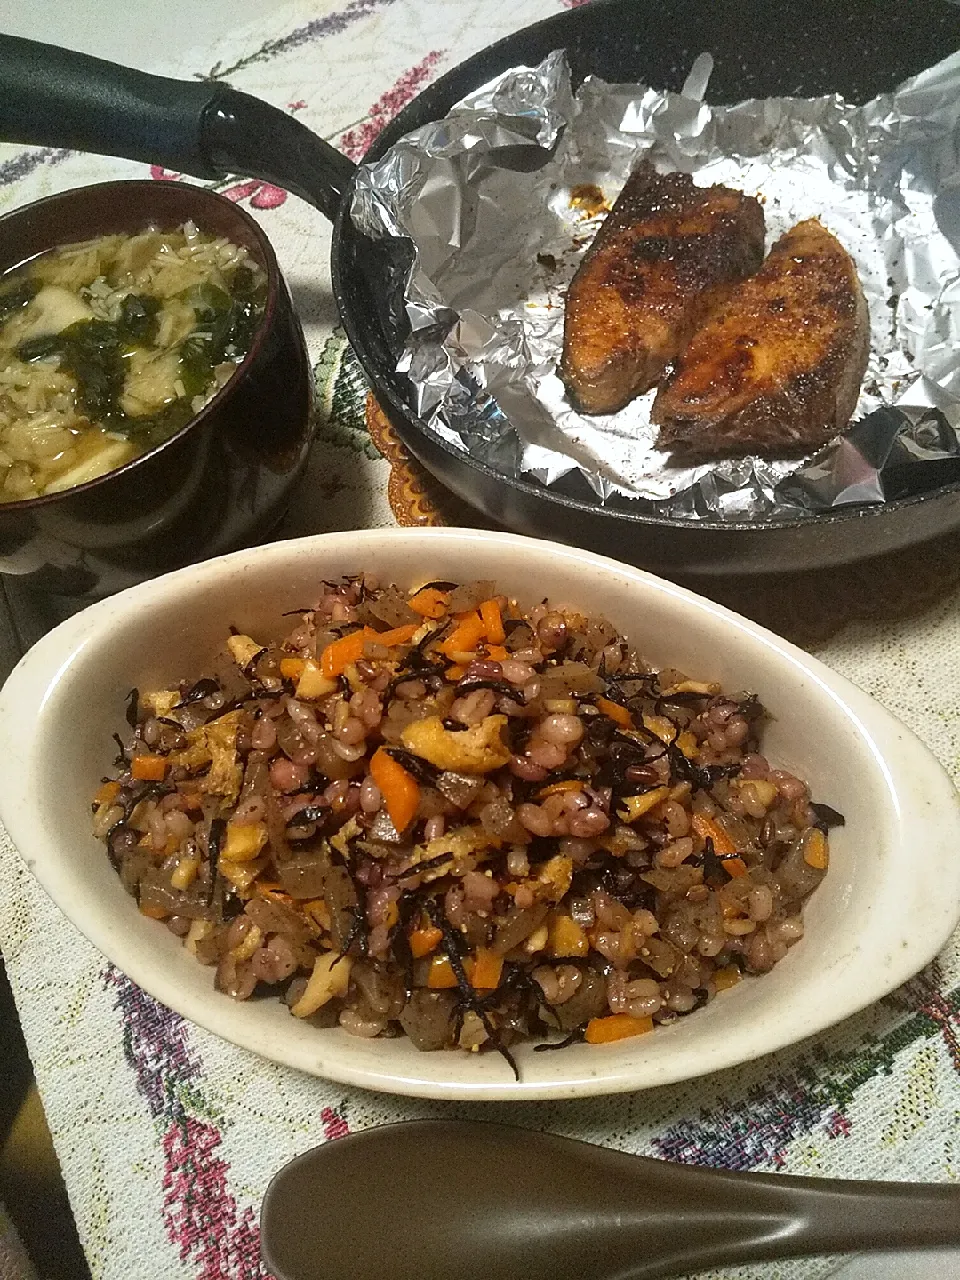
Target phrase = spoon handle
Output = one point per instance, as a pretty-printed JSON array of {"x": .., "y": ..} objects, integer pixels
[
  {"x": 736, "y": 1217},
  {"x": 834, "y": 1215}
]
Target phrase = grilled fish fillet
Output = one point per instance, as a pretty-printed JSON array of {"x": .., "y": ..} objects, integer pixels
[
  {"x": 776, "y": 366},
  {"x": 645, "y": 280}
]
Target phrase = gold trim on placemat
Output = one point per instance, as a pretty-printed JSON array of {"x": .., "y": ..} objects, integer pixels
[
  {"x": 808, "y": 608},
  {"x": 416, "y": 498}
]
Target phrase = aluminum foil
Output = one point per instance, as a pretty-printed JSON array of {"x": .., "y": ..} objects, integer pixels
[{"x": 502, "y": 197}]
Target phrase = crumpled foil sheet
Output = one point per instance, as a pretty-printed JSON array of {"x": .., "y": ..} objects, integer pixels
[{"x": 496, "y": 199}]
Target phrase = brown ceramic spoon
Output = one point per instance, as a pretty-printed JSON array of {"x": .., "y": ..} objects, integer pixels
[{"x": 456, "y": 1200}]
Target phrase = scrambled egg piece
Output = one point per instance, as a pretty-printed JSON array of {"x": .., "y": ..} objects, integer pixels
[
  {"x": 341, "y": 840},
  {"x": 665, "y": 729},
  {"x": 241, "y": 874},
  {"x": 152, "y": 381},
  {"x": 51, "y": 311},
  {"x": 330, "y": 977},
  {"x": 691, "y": 686},
  {"x": 162, "y": 702},
  {"x": 635, "y": 807},
  {"x": 461, "y": 844},
  {"x": 243, "y": 650},
  {"x": 214, "y": 744},
  {"x": 478, "y": 749},
  {"x": 555, "y": 878}
]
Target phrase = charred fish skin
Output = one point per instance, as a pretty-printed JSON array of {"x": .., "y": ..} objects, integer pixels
[
  {"x": 646, "y": 280},
  {"x": 776, "y": 366}
]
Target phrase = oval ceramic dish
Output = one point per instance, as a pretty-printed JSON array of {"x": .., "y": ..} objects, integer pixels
[{"x": 889, "y": 902}]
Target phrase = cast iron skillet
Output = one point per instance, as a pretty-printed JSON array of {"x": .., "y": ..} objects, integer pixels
[{"x": 859, "y": 48}]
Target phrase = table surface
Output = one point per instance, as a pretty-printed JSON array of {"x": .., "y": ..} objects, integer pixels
[{"x": 168, "y": 1136}]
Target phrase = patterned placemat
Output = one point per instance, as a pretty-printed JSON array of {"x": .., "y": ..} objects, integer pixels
[{"x": 167, "y": 1135}]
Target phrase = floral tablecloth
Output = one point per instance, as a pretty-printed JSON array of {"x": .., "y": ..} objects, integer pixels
[{"x": 168, "y": 1136}]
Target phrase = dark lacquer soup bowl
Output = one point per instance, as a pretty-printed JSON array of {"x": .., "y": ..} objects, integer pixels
[{"x": 219, "y": 482}]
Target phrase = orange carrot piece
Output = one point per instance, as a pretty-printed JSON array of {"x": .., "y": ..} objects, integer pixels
[
  {"x": 735, "y": 867},
  {"x": 107, "y": 793},
  {"x": 429, "y": 602},
  {"x": 707, "y": 829},
  {"x": 153, "y": 913},
  {"x": 497, "y": 653},
  {"x": 486, "y": 969},
  {"x": 400, "y": 790},
  {"x": 567, "y": 937},
  {"x": 423, "y": 941},
  {"x": 559, "y": 788},
  {"x": 613, "y": 711},
  {"x": 465, "y": 637},
  {"x": 339, "y": 654},
  {"x": 618, "y": 1026},
  {"x": 148, "y": 768},
  {"x": 441, "y": 976},
  {"x": 816, "y": 853},
  {"x": 399, "y": 635},
  {"x": 492, "y": 622},
  {"x": 291, "y": 668}
]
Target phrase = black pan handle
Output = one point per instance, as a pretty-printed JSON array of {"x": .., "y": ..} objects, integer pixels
[{"x": 53, "y": 97}]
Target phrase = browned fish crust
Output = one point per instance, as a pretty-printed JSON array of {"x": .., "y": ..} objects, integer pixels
[
  {"x": 646, "y": 279},
  {"x": 777, "y": 365}
]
